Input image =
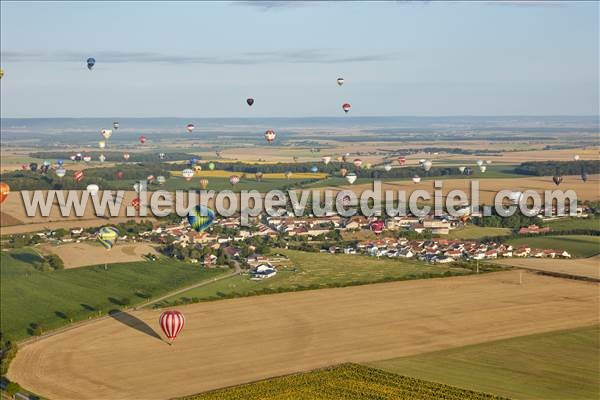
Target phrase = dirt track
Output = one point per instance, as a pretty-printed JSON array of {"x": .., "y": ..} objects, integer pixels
[
  {"x": 235, "y": 341},
  {"x": 584, "y": 267}
]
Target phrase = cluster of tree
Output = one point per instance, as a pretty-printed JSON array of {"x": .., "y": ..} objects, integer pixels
[
  {"x": 451, "y": 150},
  {"x": 8, "y": 349},
  {"x": 21, "y": 240},
  {"x": 176, "y": 250},
  {"x": 106, "y": 178},
  {"x": 514, "y": 222},
  {"x": 113, "y": 156},
  {"x": 51, "y": 262},
  {"x": 129, "y": 227},
  {"x": 333, "y": 169},
  {"x": 549, "y": 168}
]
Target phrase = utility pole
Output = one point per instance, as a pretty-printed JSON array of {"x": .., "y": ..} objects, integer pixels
[
  {"x": 520, "y": 277},
  {"x": 477, "y": 266}
]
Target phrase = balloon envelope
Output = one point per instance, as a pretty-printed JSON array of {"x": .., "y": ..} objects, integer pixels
[
  {"x": 250, "y": 101},
  {"x": 340, "y": 81},
  {"x": 387, "y": 167},
  {"x": 90, "y": 63},
  {"x": 107, "y": 236},
  {"x": 200, "y": 218},
  {"x": 93, "y": 189},
  {"x": 171, "y": 322},
  {"x": 351, "y": 177},
  {"x": 346, "y": 107},
  {"x": 4, "y": 191},
  {"x": 60, "y": 172}
]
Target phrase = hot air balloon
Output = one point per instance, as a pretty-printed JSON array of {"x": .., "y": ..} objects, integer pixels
[
  {"x": 72, "y": 157},
  {"x": 106, "y": 133},
  {"x": 150, "y": 179},
  {"x": 91, "y": 62},
  {"x": 427, "y": 165},
  {"x": 116, "y": 125},
  {"x": 203, "y": 183},
  {"x": 190, "y": 128},
  {"x": 488, "y": 162},
  {"x": 482, "y": 168},
  {"x": 24, "y": 167},
  {"x": 142, "y": 139},
  {"x": 250, "y": 101},
  {"x": 140, "y": 186},
  {"x": 387, "y": 167},
  {"x": 200, "y": 218},
  {"x": 288, "y": 174},
  {"x": 125, "y": 156},
  {"x": 162, "y": 156},
  {"x": 46, "y": 163},
  {"x": 259, "y": 176},
  {"x": 4, "y": 191},
  {"x": 193, "y": 161},
  {"x": 218, "y": 153},
  {"x": 60, "y": 162},
  {"x": 401, "y": 160},
  {"x": 87, "y": 158},
  {"x": 461, "y": 169},
  {"x": 78, "y": 176},
  {"x": 1, "y": 73},
  {"x": 211, "y": 166},
  {"x": 340, "y": 81},
  {"x": 93, "y": 189},
  {"x": 339, "y": 159},
  {"x": 107, "y": 236},
  {"x": 270, "y": 136},
  {"x": 584, "y": 176},
  {"x": 314, "y": 169},
  {"x": 102, "y": 157},
  {"x": 468, "y": 171},
  {"x": 161, "y": 179},
  {"x": 479, "y": 163},
  {"x": 576, "y": 157},
  {"x": 346, "y": 107},
  {"x": 295, "y": 158},
  {"x": 357, "y": 162},
  {"x": 78, "y": 157},
  {"x": 326, "y": 159},
  {"x": 377, "y": 226},
  {"x": 136, "y": 203},
  {"x": 171, "y": 323},
  {"x": 188, "y": 174},
  {"x": 234, "y": 180},
  {"x": 351, "y": 177},
  {"x": 33, "y": 166},
  {"x": 416, "y": 178},
  {"x": 557, "y": 179},
  {"x": 197, "y": 168},
  {"x": 120, "y": 174},
  {"x": 343, "y": 171},
  {"x": 515, "y": 197},
  {"x": 368, "y": 165},
  {"x": 60, "y": 172}
]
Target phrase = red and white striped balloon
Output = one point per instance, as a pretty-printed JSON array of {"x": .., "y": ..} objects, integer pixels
[
  {"x": 78, "y": 176},
  {"x": 171, "y": 323}
]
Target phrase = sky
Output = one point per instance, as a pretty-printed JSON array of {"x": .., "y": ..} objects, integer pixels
[{"x": 203, "y": 59}]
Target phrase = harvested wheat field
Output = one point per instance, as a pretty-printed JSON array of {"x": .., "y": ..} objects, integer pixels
[
  {"x": 81, "y": 254},
  {"x": 235, "y": 341},
  {"x": 488, "y": 188},
  {"x": 585, "y": 267}
]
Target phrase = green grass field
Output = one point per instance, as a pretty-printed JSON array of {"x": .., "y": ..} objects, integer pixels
[
  {"x": 347, "y": 381},
  {"x": 552, "y": 366},
  {"x": 53, "y": 298},
  {"x": 316, "y": 270},
  {"x": 576, "y": 245},
  {"x": 574, "y": 223},
  {"x": 474, "y": 232}
]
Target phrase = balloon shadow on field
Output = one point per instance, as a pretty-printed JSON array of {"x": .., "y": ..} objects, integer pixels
[{"x": 133, "y": 322}]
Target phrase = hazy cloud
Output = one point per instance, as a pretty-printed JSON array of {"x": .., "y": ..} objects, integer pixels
[
  {"x": 307, "y": 56},
  {"x": 270, "y": 5},
  {"x": 526, "y": 3}
]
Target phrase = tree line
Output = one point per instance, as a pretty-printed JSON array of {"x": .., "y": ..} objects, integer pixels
[{"x": 548, "y": 168}]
